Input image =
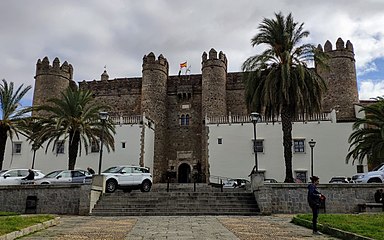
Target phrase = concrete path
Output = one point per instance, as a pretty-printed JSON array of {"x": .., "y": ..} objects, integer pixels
[{"x": 177, "y": 228}]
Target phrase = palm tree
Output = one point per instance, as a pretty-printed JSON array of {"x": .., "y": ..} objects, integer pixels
[
  {"x": 73, "y": 117},
  {"x": 367, "y": 138},
  {"x": 279, "y": 82},
  {"x": 11, "y": 113}
]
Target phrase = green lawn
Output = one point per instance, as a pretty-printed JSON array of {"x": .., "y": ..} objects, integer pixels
[
  {"x": 368, "y": 225},
  {"x": 10, "y": 222}
]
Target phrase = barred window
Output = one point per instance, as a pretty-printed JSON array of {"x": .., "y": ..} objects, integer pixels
[
  {"x": 17, "y": 147},
  {"x": 60, "y": 147},
  {"x": 299, "y": 145}
]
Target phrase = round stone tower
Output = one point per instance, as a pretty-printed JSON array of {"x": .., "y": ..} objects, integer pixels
[
  {"x": 214, "y": 79},
  {"x": 50, "y": 81},
  {"x": 340, "y": 77},
  {"x": 154, "y": 103}
]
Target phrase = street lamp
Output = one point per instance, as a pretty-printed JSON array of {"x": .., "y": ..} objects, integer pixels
[
  {"x": 255, "y": 117},
  {"x": 103, "y": 117},
  {"x": 312, "y": 144}
]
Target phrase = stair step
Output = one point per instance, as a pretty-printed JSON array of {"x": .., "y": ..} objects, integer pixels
[{"x": 184, "y": 201}]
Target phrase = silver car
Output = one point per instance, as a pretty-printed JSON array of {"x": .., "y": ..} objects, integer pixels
[
  {"x": 15, "y": 176},
  {"x": 66, "y": 176}
]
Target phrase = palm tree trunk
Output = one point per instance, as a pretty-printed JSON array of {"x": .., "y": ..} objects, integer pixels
[
  {"x": 3, "y": 142},
  {"x": 286, "y": 121},
  {"x": 73, "y": 148}
]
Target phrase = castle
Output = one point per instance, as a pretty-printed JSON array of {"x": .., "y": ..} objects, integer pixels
[{"x": 180, "y": 106}]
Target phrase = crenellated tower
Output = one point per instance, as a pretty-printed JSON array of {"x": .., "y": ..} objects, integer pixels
[
  {"x": 340, "y": 77},
  {"x": 214, "y": 80},
  {"x": 154, "y": 104},
  {"x": 51, "y": 80}
]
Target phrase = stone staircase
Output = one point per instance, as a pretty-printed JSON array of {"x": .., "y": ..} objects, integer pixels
[{"x": 182, "y": 199}]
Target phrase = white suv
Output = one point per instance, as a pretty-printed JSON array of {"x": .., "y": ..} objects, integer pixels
[
  {"x": 374, "y": 176},
  {"x": 128, "y": 178}
]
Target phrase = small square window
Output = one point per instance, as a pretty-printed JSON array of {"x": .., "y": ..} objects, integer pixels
[
  {"x": 299, "y": 145},
  {"x": 60, "y": 147},
  {"x": 259, "y": 146},
  {"x": 95, "y": 146},
  {"x": 122, "y": 144},
  {"x": 219, "y": 141},
  {"x": 17, "y": 147},
  {"x": 301, "y": 176}
]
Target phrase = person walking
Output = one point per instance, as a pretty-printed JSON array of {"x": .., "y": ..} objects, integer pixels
[{"x": 314, "y": 201}]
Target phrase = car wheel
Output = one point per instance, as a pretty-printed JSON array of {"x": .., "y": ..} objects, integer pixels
[
  {"x": 146, "y": 186},
  {"x": 374, "y": 180},
  {"x": 111, "y": 186},
  {"x": 44, "y": 183}
]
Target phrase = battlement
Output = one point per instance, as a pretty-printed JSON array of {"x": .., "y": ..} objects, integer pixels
[
  {"x": 151, "y": 59},
  {"x": 44, "y": 68},
  {"x": 212, "y": 59}
]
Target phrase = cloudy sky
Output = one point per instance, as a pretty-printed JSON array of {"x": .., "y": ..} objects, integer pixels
[{"x": 91, "y": 34}]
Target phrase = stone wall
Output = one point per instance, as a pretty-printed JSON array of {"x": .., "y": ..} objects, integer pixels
[
  {"x": 54, "y": 199},
  {"x": 292, "y": 198}
]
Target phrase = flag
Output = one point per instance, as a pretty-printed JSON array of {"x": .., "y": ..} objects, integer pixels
[{"x": 183, "y": 65}]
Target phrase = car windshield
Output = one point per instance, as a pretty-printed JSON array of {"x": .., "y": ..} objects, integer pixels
[
  {"x": 52, "y": 174},
  {"x": 2, "y": 171},
  {"x": 113, "y": 170},
  {"x": 378, "y": 167}
]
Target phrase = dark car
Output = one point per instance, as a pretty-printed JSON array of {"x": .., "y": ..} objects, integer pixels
[{"x": 66, "y": 176}]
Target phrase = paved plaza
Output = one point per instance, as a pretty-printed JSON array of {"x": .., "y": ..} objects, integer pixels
[{"x": 176, "y": 227}]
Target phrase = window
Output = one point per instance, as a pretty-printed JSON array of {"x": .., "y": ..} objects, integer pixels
[
  {"x": 219, "y": 141},
  {"x": 184, "y": 120},
  {"x": 59, "y": 147},
  {"x": 17, "y": 147},
  {"x": 95, "y": 146},
  {"x": 122, "y": 144},
  {"x": 301, "y": 176},
  {"x": 299, "y": 145},
  {"x": 259, "y": 146}
]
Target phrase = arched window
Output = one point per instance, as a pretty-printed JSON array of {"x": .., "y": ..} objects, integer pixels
[
  {"x": 183, "y": 120},
  {"x": 187, "y": 119}
]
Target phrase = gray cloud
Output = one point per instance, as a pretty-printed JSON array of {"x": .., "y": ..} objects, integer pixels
[{"x": 92, "y": 33}]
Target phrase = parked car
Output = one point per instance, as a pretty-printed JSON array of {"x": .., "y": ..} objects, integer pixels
[
  {"x": 339, "y": 179},
  {"x": 14, "y": 176},
  {"x": 374, "y": 176},
  {"x": 270, "y": 180},
  {"x": 235, "y": 183},
  {"x": 128, "y": 178},
  {"x": 66, "y": 176}
]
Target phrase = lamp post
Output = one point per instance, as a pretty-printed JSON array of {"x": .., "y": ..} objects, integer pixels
[
  {"x": 312, "y": 144},
  {"x": 255, "y": 117},
  {"x": 103, "y": 117}
]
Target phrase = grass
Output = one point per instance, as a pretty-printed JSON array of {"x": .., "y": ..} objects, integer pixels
[
  {"x": 368, "y": 225},
  {"x": 10, "y": 222}
]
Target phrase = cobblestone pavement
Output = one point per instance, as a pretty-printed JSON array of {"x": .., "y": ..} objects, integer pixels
[{"x": 177, "y": 228}]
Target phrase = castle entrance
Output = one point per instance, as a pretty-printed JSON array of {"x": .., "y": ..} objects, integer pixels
[{"x": 184, "y": 173}]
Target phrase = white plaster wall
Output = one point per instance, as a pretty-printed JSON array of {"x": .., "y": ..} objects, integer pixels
[
  {"x": 149, "y": 147},
  {"x": 234, "y": 158},
  {"x": 130, "y": 134}
]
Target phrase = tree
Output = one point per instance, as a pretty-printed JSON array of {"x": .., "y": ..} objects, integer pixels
[
  {"x": 279, "y": 82},
  {"x": 11, "y": 113},
  {"x": 367, "y": 138},
  {"x": 73, "y": 117}
]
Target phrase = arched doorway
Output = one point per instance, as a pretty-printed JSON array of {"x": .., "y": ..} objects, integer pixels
[{"x": 184, "y": 173}]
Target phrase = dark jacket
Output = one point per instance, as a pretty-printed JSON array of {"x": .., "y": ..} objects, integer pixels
[
  {"x": 31, "y": 176},
  {"x": 313, "y": 196}
]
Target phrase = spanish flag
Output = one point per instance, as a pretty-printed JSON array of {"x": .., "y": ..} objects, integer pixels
[{"x": 183, "y": 65}]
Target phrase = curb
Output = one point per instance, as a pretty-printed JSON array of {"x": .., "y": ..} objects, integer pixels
[
  {"x": 31, "y": 229},
  {"x": 334, "y": 232}
]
